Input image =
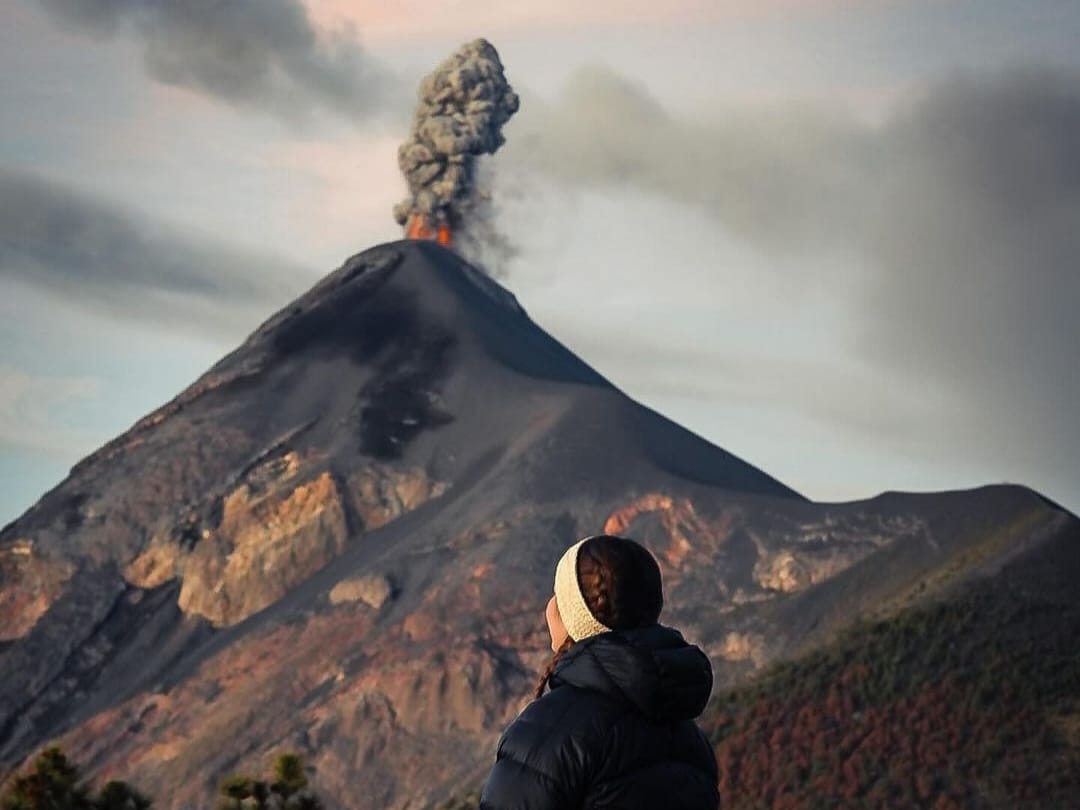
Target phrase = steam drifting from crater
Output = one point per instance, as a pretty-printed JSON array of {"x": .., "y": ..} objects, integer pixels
[{"x": 463, "y": 105}]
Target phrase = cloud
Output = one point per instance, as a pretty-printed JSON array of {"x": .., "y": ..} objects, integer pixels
[
  {"x": 962, "y": 209},
  {"x": 266, "y": 55},
  {"x": 29, "y": 406},
  {"x": 103, "y": 256},
  {"x": 767, "y": 174}
]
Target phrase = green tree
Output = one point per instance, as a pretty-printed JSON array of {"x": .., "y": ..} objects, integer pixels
[
  {"x": 235, "y": 790},
  {"x": 289, "y": 776},
  {"x": 287, "y": 789},
  {"x": 121, "y": 796},
  {"x": 53, "y": 784}
]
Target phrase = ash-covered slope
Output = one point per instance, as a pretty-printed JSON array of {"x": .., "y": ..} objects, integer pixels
[{"x": 341, "y": 539}]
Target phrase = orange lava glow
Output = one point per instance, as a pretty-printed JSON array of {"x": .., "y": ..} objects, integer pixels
[{"x": 419, "y": 227}]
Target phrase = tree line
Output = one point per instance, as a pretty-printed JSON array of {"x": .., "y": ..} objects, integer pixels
[{"x": 53, "y": 782}]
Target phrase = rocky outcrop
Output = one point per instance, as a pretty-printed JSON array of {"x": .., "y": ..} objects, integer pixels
[
  {"x": 276, "y": 528},
  {"x": 744, "y": 647},
  {"x": 799, "y": 555},
  {"x": 263, "y": 546},
  {"x": 379, "y": 495},
  {"x": 373, "y": 590},
  {"x": 160, "y": 563},
  {"x": 30, "y": 584},
  {"x": 790, "y": 571}
]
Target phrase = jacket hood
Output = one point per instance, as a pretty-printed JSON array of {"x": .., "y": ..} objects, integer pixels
[{"x": 654, "y": 668}]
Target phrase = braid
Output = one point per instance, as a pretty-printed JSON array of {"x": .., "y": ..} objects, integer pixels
[
  {"x": 540, "y": 684},
  {"x": 598, "y": 585},
  {"x": 620, "y": 581}
]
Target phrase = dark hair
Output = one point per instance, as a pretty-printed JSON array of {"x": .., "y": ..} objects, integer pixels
[{"x": 620, "y": 581}]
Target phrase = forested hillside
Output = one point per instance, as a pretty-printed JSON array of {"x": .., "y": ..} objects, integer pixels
[{"x": 973, "y": 702}]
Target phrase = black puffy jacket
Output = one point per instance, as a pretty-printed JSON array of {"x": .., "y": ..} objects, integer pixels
[{"x": 615, "y": 730}]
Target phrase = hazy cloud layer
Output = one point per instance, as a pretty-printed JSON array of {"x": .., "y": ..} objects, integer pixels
[
  {"x": 962, "y": 209},
  {"x": 28, "y": 406},
  {"x": 104, "y": 256},
  {"x": 266, "y": 54}
]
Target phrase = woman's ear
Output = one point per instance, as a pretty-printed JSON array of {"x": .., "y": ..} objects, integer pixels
[{"x": 555, "y": 625}]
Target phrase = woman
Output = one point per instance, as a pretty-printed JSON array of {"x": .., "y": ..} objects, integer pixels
[{"x": 615, "y": 729}]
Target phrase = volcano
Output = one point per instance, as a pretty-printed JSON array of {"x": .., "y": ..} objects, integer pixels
[{"x": 341, "y": 539}]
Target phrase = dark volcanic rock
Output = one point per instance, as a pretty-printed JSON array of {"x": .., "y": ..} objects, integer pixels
[{"x": 341, "y": 538}]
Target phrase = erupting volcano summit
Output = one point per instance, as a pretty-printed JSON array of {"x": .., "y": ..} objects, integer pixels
[{"x": 462, "y": 108}]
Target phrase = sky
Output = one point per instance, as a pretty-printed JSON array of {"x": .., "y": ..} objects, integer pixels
[{"x": 837, "y": 238}]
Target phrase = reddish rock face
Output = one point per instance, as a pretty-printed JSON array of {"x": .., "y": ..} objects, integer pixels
[
  {"x": 31, "y": 585},
  {"x": 341, "y": 540}
]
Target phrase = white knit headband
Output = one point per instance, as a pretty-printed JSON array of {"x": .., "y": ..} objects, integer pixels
[{"x": 576, "y": 616}]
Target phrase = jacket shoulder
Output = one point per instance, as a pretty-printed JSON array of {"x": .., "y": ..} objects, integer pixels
[
  {"x": 547, "y": 756},
  {"x": 568, "y": 711}
]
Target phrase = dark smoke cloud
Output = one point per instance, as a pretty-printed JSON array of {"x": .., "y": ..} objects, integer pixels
[
  {"x": 962, "y": 210},
  {"x": 97, "y": 254},
  {"x": 462, "y": 107},
  {"x": 265, "y": 54}
]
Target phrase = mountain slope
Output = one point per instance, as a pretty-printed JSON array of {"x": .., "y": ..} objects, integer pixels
[
  {"x": 972, "y": 701},
  {"x": 341, "y": 539}
]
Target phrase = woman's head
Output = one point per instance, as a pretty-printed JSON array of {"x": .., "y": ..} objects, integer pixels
[{"x": 603, "y": 582}]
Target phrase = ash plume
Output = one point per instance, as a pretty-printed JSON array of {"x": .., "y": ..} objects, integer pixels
[{"x": 463, "y": 105}]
